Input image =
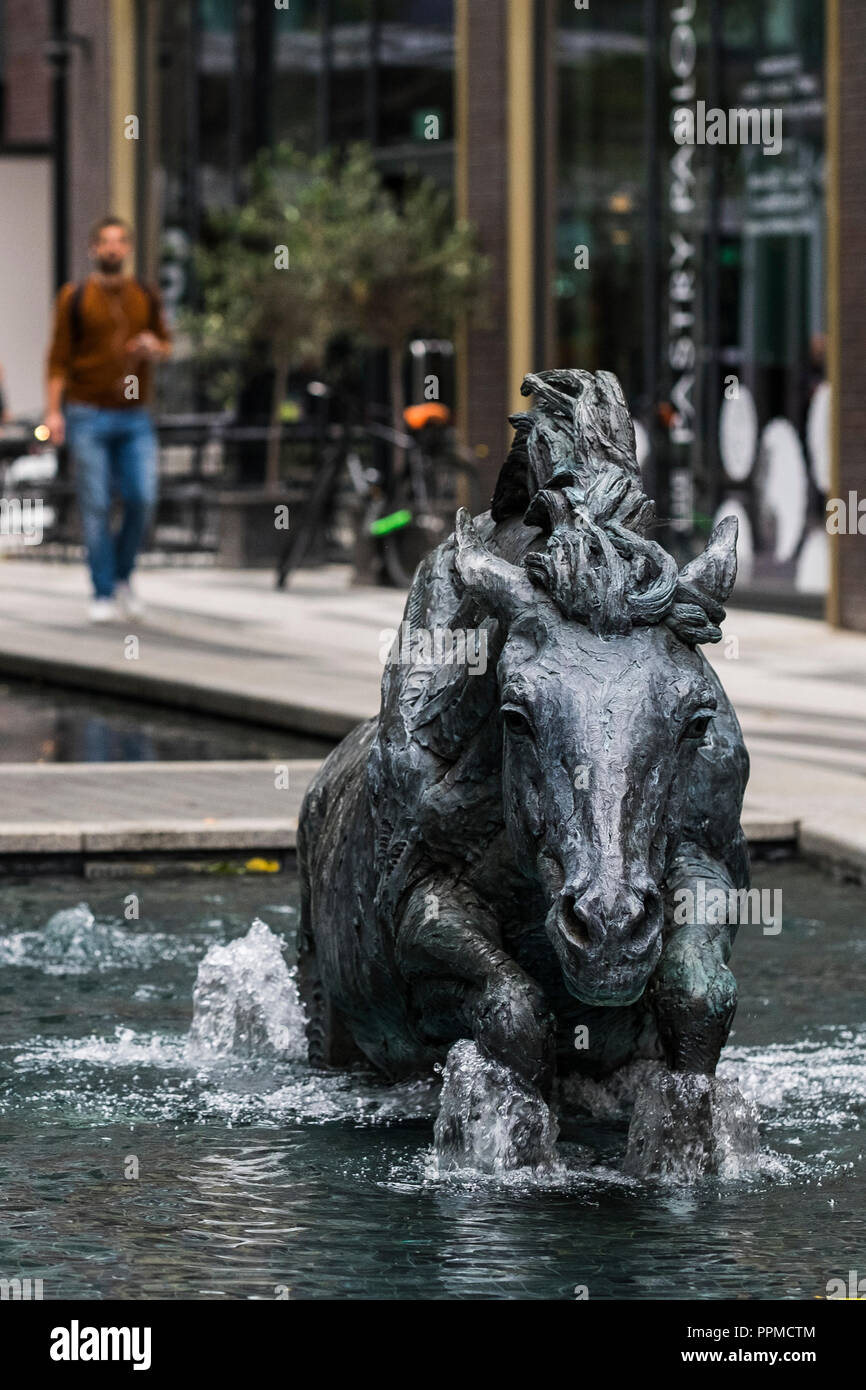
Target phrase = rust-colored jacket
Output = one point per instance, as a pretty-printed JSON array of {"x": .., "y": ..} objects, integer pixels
[{"x": 95, "y": 363}]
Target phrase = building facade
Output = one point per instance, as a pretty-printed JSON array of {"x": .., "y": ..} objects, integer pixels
[{"x": 717, "y": 276}]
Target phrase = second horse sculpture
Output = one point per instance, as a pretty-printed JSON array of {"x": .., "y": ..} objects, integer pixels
[{"x": 499, "y": 856}]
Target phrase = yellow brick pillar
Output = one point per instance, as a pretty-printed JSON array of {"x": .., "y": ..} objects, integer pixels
[
  {"x": 495, "y": 129},
  {"x": 521, "y": 196},
  {"x": 461, "y": 188},
  {"x": 122, "y": 107},
  {"x": 832, "y": 86}
]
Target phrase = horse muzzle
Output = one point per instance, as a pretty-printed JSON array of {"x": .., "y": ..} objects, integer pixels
[{"x": 608, "y": 944}]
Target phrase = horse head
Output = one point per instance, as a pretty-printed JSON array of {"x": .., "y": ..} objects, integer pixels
[{"x": 604, "y": 702}]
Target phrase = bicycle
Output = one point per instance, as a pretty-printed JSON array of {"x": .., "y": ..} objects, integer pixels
[{"x": 402, "y": 513}]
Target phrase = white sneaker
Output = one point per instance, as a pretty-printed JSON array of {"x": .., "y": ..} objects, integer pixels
[
  {"x": 103, "y": 610},
  {"x": 131, "y": 605}
]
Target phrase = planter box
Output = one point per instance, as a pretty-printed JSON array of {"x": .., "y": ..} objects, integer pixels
[{"x": 248, "y": 538}]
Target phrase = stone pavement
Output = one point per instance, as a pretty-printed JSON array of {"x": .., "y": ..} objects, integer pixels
[
  {"x": 104, "y": 808},
  {"x": 219, "y": 641},
  {"x": 226, "y": 642}
]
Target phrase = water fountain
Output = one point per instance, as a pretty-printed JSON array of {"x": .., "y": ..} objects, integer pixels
[
  {"x": 257, "y": 1172},
  {"x": 245, "y": 1002},
  {"x": 474, "y": 973}
]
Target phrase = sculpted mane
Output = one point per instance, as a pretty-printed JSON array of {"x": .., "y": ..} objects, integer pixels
[
  {"x": 567, "y": 529},
  {"x": 573, "y": 473}
]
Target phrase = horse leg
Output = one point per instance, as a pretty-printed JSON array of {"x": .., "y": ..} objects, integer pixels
[
  {"x": 693, "y": 996},
  {"x": 692, "y": 993},
  {"x": 463, "y": 984},
  {"x": 329, "y": 1041}
]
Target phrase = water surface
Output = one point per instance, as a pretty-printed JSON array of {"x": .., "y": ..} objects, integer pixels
[
  {"x": 259, "y": 1178},
  {"x": 43, "y": 723}
]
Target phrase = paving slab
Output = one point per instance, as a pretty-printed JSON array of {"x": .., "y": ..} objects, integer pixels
[
  {"x": 221, "y": 642},
  {"x": 92, "y": 808}
]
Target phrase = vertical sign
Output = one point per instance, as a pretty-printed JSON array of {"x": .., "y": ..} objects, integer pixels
[{"x": 681, "y": 286}]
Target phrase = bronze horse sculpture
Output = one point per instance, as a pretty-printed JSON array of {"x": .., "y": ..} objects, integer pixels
[{"x": 495, "y": 857}]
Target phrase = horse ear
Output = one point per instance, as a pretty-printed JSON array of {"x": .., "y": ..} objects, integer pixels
[
  {"x": 504, "y": 588},
  {"x": 713, "y": 571}
]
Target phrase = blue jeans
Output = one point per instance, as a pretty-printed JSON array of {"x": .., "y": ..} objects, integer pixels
[{"x": 114, "y": 451}]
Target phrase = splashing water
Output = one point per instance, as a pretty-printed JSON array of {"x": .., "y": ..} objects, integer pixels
[
  {"x": 245, "y": 1002},
  {"x": 488, "y": 1119},
  {"x": 611, "y": 1098},
  {"x": 93, "y": 1068},
  {"x": 807, "y": 1085},
  {"x": 687, "y": 1126},
  {"x": 73, "y": 942}
]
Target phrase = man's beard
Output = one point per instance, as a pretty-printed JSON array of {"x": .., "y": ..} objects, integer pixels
[{"x": 109, "y": 265}]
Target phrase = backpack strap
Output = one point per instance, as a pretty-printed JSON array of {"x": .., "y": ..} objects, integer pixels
[
  {"x": 76, "y": 327},
  {"x": 148, "y": 292}
]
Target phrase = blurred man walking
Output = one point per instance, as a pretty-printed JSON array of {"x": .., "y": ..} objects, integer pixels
[{"x": 107, "y": 332}]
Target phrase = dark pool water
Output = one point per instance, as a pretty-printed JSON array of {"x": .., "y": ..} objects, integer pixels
[
  {"x": 256, "y": 1179},
  {"x": 53, "y": 724}
]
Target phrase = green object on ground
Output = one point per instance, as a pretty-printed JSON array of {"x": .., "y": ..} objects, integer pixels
[{"x": 392, "y": 522}]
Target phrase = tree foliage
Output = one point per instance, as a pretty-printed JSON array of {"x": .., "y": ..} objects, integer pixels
[{"x": 322, "y": 247}]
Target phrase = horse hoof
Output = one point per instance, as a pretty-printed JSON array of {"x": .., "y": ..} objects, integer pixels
[
  {"x": 686, "y": 1126},
  {"x": 489, "y": 1120}
]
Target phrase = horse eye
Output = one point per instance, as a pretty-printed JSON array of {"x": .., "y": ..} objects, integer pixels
[
  {"x": 516, "y": 721},
  {"x": 698, "y": 725}
]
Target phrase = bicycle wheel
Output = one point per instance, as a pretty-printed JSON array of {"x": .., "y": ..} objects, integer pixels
[
  {"x": 423, "y": 516},
  {"x": 313, "y": 516}
]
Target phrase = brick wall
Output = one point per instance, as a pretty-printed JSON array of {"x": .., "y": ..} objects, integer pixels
[
  {"x": 852, "y": 302},
  {"x": 28, "y": 75},
  {"x": 486, "y": 413},
  {"x": 88, "y": 97},
  {"x": 29, "y": 100}
]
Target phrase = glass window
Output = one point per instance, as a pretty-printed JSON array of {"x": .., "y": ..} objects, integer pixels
[
  {"x": 298, "y": 66},
  {"x": 351, "y": 45},
  {"x": 416, "y": 81},
  {"x": 601, "y": 191},
  {"x": 772, "y": 318},
  {"x": 732, "y": 361}
]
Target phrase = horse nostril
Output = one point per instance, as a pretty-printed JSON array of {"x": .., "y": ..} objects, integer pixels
[
  {"x": 641, "y": 931},
  {"x": 574, "y": 920}
]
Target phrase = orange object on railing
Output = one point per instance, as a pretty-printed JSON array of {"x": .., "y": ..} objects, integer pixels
[{"x": 430, "y": 413}]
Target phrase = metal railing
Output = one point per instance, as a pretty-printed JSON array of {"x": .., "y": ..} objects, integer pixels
[{"x": 200, "y": 456}]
